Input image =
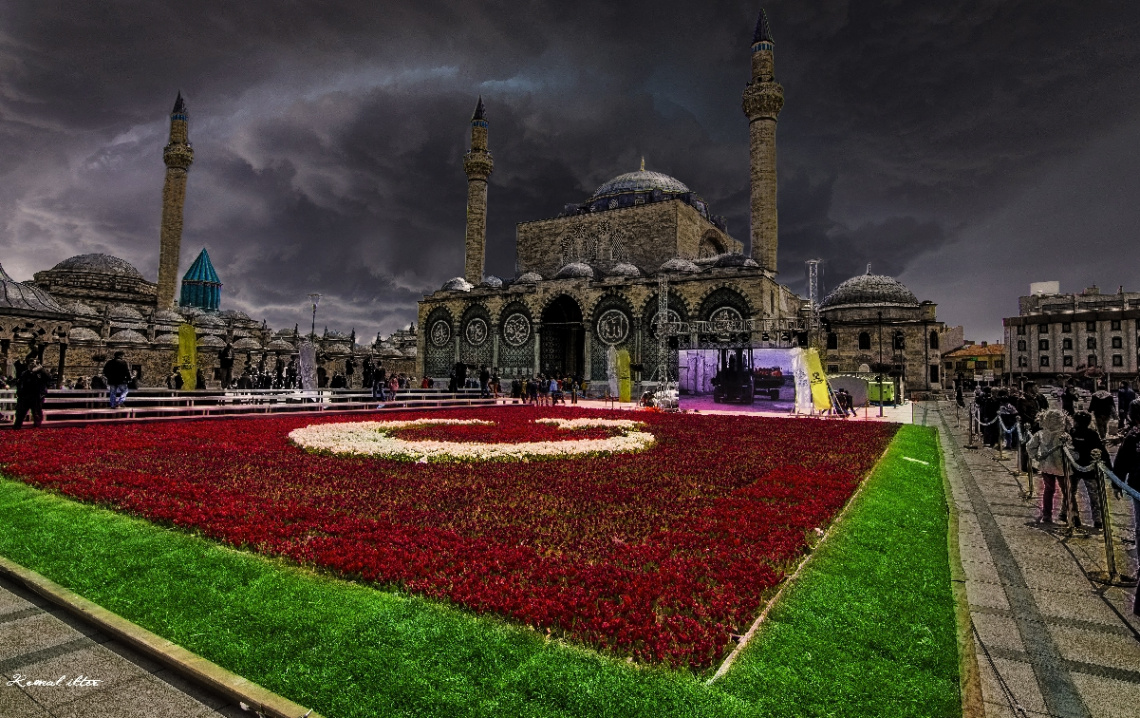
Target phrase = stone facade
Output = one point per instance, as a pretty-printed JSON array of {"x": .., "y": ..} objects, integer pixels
[{"x": 97, "y": 281}]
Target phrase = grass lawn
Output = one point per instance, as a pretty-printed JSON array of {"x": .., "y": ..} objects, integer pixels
[{"x": 868, "y": 629}]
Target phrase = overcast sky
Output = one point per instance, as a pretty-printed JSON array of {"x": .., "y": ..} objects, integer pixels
[{"x": 967, "y": 148}]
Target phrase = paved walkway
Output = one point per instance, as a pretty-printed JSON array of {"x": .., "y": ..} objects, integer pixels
[
  {"x": 100, "y": 677},
  {"x": 1049, "y": 641}
]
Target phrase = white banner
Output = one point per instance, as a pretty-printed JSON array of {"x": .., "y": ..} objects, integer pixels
[{"x": 307, "y": 366}]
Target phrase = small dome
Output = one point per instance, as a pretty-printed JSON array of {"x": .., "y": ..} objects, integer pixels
[
  {"x": 625, "y": 269},
  {"x": 278, "y": 345},
  {"x": 528, "y": 278},
  {"x": 167, "y": 316},
  {"x": 79, "y": 309},
  {"x": 334, "y": 335},
  {"x": 166, "y": 339},
  {"x": 234, "y": 314},
  {"x": 127, "y": 336},
  {"x": 82, "y": 334},
  {"x": 491, "y": 281},
  {"x": 734, "y": 260},
  {"x": 874, "y": 290},
  {"x": 458, "y": 284},
  {"x": 209, "y": 320},
  {"x": 122, "y": 311},
  {"x": 575, "y": 270},
  {"x": 640, "y": 181},
  {"x": 680, "y": 265},
  {"x": 210, "y": 341},
  {"x": 98, "y": 264},
  {"x": 247, "y": 343}
]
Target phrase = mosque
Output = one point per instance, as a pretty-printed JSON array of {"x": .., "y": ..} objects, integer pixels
[{"x": 591, "y": 278}]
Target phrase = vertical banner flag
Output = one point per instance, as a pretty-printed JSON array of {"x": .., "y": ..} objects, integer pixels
[
  {"x": 624, "y": 384},
  {"x": 188, "y": 357},
  {"x": 803, "y": 383},
  {"x": 611, "y": 369},
  {"x": 820, "y": 396},
  {"x": 308, "y": 366}
]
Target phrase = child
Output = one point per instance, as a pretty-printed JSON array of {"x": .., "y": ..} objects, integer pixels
[{"x": 1047, "y": 446}]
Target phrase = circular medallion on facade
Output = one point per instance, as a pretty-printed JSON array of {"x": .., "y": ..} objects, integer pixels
[
  {"x": 726, "y": 320},
  {"x": 476, "y": 332},
  {"x": 516, "y": 330},
  {"x": 440, "y": 333},
  {"x": 613, "y": 326}
]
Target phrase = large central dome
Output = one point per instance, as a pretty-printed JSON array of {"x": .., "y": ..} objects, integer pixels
[{"x": 640, "y": 181}]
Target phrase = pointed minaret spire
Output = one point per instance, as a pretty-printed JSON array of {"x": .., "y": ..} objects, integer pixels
[
  {"x": 763, "y": 31},
  {"x": 480, "y": 111},
  {"x": 179, "y": 105}
]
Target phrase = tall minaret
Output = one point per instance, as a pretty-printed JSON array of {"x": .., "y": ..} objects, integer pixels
[
  {"x": 763, "y": 99},
  {"x": 477, "y": 164},
  {"x": 178, "y": 156}
]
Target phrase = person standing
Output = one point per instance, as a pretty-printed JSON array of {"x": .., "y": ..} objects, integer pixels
[
  {"x": 31, "y": 390},
  {"x": 1102, "y": 408},
  {"x": 226, "y": 364},
  {"x": 484, "y": 382},
  {"x": 1085, "y": 441},
  {"x": 1069, "y": 398},
  {"x": 1127, "y": 469},
  {"x": 379, "y": 382},
  {"x": 1124, "y": 398},
  {"x": 1047, "y": 446},
  {"x": 118, "y": 374}
]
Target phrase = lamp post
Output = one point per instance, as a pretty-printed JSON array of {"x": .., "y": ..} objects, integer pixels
[
  {"x": 315, "y": 299},
  {"x": 880, "y": 364}
]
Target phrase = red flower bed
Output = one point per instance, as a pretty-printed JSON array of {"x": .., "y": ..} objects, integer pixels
[{"x": 659, "y": 555}]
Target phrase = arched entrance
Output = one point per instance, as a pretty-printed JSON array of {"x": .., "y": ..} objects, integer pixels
[{"x": 562, "y": 339}]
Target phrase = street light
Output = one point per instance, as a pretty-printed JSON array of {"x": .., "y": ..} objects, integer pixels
[
  {"x": 315, "y": 299},
  {"x": 880, "y": 364}
]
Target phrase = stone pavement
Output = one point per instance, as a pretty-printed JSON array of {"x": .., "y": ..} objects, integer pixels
[
  {"x": 101, "y": 677},
  {"x": 1049, "y": 641}
]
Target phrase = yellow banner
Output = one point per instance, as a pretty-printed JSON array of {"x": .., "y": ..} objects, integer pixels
[
  {"x": 820, "y": 396},
  {"x": 188, "y": 357},
  {"x": 624, "y": 387}
]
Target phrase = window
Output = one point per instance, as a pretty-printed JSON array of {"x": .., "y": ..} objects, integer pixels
[
  {"x": 1090, "y": 326},
  {"x": 1066, "y": 327},
  {"x": 1117, "y": 360},
  {"x": 949, "y": 365},
  {"x": 981, "y": 365},
  {"x": 999, "y": 363},
  {"x": 1043, "y": 344},
  {"x": 1066, "y": 343},
  {"x": 832, "y": 340},
  {"x": 1117, "y": 343},
  {"x": 934, "y": 343},
  {"x": 933, "y": 372},
  {"x": 1042, "y": 328},
  {"x": 1044, "y": 361},
  {"x": 1115, "y": 325},
  {"x": 864, "y": 340},
  {"x": 1066, "y": 361},
  {"x": 1020, "y": 345},
  {"x": 1090, "y": 343},
  {"x": 1022, "y": 362},
  {"x": 900, "y": 341},
  {"x": 832, "y": 368},
  {"x": 1092, "y": 360},
  {"x": 1021, "y": 327}
]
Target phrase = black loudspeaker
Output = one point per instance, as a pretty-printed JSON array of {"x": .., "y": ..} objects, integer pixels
[
  {"x": 802, "y": 338},
  {"x": 673, "y": 343}
]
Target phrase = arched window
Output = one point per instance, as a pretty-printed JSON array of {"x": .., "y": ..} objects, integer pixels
[
  {"x": 900, "y": 341},
  {"x": 864, "y": 340},
  {"x": 934, "y": 343},
  {"x": 832, "y": 340}
]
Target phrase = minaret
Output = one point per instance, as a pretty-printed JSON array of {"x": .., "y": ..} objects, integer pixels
[
  {"x": 477, "y": 164},
  {"x": 178, "y": 156},
  {"x": 763, "y": 99}
]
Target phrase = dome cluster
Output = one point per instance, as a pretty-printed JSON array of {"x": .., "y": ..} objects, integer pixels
[{"x": 870, "y": 290}]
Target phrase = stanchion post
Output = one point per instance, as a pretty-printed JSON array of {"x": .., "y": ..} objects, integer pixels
[{"x": 1105, "y": 517}]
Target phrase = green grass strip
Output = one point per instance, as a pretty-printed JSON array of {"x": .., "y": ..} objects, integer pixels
[{"x": 869, "y": 630}]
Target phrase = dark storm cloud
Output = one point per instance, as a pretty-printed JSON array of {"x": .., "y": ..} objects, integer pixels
[{"x": 329, "y": 136}]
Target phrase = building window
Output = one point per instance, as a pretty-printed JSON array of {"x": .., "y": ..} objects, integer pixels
[
  {"x": 1092, "y": 360},
  {"x": 934, "y": 343},
  {"x": 1090, "y": 326},
  {"x": 1043, "y": 344},
  {"x": 1066, "y": 327},
  {"x": 864, "y": 340},
  {"x": 1117, "y": 360},
  {"x": 982, "y": 365},
  {"x": 1117, "y": 343},
  {"x": 1066, "y": 343},
  {"x": 832, "y": 368},
  {"x": 1044, "y": 361},
  {"x": 999, "y": 363},
  {"x": 933, "y": 373},
  {"x": 1020, "y": 345},
  {"x": 949, "y": 366},
  {"x": 1021, "y": 327},
  {"x": 1022, "y": 362},
  {"x": 1042, "y": 328},
  {"x": 1090, "y": 343},
  {"x": 961, "y": 366},
  {"x": 1066, "y": 361},
  {"x": 1115, "y": 325},
  {"x": 832, "y": 340},
  {"x": 900, "y": 341}
]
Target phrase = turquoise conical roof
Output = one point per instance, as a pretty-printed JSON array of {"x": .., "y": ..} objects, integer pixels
[{"x": 202, "y": 270}]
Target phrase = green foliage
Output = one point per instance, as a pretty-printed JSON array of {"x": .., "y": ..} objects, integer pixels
[{"x": 869, "y": 629}]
